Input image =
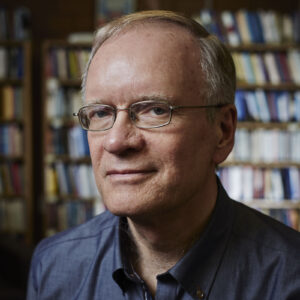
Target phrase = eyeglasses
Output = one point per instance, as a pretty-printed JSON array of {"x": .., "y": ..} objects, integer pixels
[{"x": 143, "y": 114}]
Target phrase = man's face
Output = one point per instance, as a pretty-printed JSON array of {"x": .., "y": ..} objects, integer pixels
[{"x": 146, "y": 172}]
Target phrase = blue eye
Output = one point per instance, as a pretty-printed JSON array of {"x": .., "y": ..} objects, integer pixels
[
  {"x": 159, "y": 110},
  {"x": 100, "y": 113}
]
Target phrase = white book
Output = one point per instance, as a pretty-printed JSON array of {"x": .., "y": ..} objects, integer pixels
[
  {"x": 229, "y": 24},
  {"x": 235, "y": 183},
  {"x": 287, "y": 28},
  {"x": 242, "y": 145},
  {"x": 284, "y": 145},
  {"x": 248, "y": 69},
  {"x": 283, "y": 100},
  {"x": 247, "y": 183},
  {"x": 258, "y": 69},
  {"x": 266, "y": 30},
  {"x": 256, "y": 146},
  {"x": 294, "y": 175},
  {"x": 272, "y": 70},
  {"x": 84, "y": 181},
  {"x": 62, "y": 66},
  {"x": 274, "y": 26},
  {"x": 262, "y": 103},
  {"x": 293, "y": 59},
  {"x": 92, "y": 182},
  {"x": 277, "y": 193}
]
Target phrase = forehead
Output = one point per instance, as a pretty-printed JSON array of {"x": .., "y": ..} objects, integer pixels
[{"x": 148, "y": 53}]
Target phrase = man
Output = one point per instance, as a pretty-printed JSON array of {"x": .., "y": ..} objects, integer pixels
[{"x": 159, "y": 110}]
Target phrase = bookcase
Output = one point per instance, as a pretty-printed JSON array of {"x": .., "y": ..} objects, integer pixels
[
  {"x": 16, "y": 164},
  {"x": 69, "y": 193},
  {"x": 263, "y": 170}
]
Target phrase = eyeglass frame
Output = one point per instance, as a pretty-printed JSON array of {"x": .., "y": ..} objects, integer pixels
[{"x": 116, "y": 110}]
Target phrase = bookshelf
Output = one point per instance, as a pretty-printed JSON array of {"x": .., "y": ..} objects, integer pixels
[
  {"x": 263, "y": 170},
  {"x": 69, "y": 193},
  {"x": 16, "y": 163}
]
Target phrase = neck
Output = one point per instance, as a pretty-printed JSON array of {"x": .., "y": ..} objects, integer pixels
[{"x": 161, "y": 241}]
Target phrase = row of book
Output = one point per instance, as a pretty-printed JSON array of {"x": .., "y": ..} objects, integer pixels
[
  {"x": 268, "y": 67},
  {"x": 61, "y": 216},
  {"x": 11, "y": 102},
  {"x": 15, "y": 24},
  {"x": 67, "y": 140},
  {"x": 11, "y": 179},
  {"x": 68, "y": 179},
  {"x": 64, "y": 63},
  {"x": 11, "y": 139},
  {"x": 246, "y": 27},
  {"x": 62, "y": 102},
  {"x": 266, "y": 146},
  {"x": 12, "y": 216},
  {"x": 271, "y": 106},
  {"x": 11, "y": 63},
  {"x": 245, "y": 183}
]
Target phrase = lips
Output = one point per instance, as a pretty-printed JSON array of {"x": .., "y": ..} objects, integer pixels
[
  {"x": 129, "y": 176},
  {"x": 128, "y": 172}
]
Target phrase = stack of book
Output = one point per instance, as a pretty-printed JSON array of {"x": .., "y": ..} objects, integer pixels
[
  {"x": 245, "y": 183},
  {"x": 271, "y": 106},
  {"x": 248, "y": 27},
  {"x": 11, "y": 179},
  {"x": 268, "y": 67},
  {"x": 266, "y": 146},
  {"x": 70, "y": 180},
  {"x": 11, "y": 63},
  {"x": 66, "y": 63}
]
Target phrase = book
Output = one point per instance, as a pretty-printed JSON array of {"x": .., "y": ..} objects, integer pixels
[
  {"x": 3, "y": 63},
  {"x": 230, "y": 26}
]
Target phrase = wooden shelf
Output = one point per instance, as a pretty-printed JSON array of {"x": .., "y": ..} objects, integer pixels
[
  {"x": 4, "y": 197},
  {"x": 270, "y": 125},
  {"x": 64, "y": 198},
  {"x": 271, "y": 204},
  {"x": 51, "y": 158},
  {"x": 11, "y": 81},
  {"x": 269, "y": 86},
  {"x": 11, "y": 158},
  {"x": 263, "y": 47},
  {"x": 264, "y": 165}
]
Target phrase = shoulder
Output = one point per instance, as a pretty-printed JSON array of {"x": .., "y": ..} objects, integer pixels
[
  {"x": 257, "y": 228},
  {"x": 98, "y": 228}
]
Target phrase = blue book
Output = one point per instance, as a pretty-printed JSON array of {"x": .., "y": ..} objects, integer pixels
[
  {"x": 240, "y": 104},
  {"x": 286, "y": 183}
]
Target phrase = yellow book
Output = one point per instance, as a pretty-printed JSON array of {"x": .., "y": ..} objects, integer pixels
[{"x": 8, "y": 102}]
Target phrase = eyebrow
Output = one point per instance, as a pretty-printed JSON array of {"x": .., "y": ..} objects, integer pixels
[{"x": 155, "y": 97}]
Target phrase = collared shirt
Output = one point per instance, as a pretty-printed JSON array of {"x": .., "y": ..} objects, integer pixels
[{"x": 242, "y": 255}]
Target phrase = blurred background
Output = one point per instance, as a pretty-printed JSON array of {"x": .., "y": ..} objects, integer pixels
[{"x": 46, "y": 181}]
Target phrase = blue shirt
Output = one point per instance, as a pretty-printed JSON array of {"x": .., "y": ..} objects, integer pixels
[{"x": 242, "y": 255}]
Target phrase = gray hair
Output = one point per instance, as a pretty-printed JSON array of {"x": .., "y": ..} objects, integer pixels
[{"x": 216, "y": 63}]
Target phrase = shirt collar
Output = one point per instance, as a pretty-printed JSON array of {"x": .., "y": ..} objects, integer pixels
[{"x": 197, "y": 270}]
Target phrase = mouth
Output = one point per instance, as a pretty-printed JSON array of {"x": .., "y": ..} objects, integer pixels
[{"x": 129, "y": 175}]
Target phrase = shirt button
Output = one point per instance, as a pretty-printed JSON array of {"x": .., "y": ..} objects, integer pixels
[{"x": 200, "y": 294}]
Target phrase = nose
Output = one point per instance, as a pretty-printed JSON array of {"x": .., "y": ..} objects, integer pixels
[{"x": 124, "y": 136}]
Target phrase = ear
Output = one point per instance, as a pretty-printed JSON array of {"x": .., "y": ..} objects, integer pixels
[{"x": 225, "y": 123}]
